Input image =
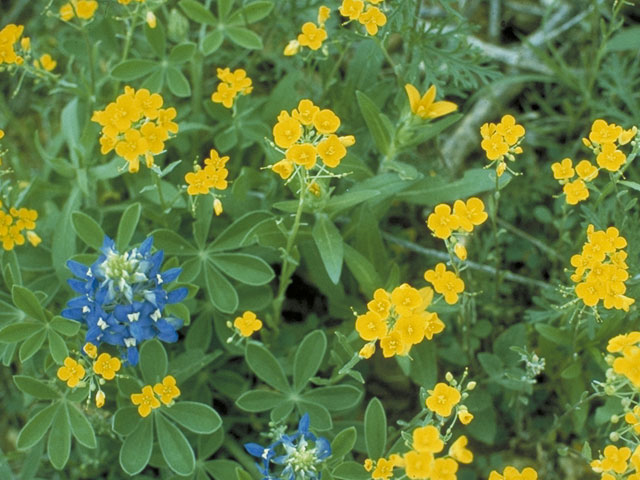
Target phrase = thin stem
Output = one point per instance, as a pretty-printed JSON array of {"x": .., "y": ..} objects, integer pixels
[
  {"x": 494, "y": 228},
  {"x": 530, "y": 238}
]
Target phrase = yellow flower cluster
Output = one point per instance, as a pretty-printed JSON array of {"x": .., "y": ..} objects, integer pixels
[
  {"x": 312, "y": 35},
  {"x": 425, "y": 107},
  {"x": 627, "y": 364},
  {"x": 231, "y": 85},
  {"x": 9, "y": 35},
  {"x": 213, "y": 175},
  {"x": 445, "y": 282},
  {"x": 512, "y": 473},
  {"x": 372, "y": 18},
  {"x": 104, "y": 365},
  {"x": 13, "y": 223},
  {"x": 604, "y": 140},
  {"x": 247, "y": 324},
  {"x": 398, "y": 319},
  {"x": 601, "y": 270},
  {"x": 83, "y": 9},
  {"x": 502, "y": 141},
  {"x": 445, "y": 221},
  {"x": 575, "y": 190},
  {"x": 618, "y": 463},
  {"x": 305, "y": 134},
  {"x": 147, "y": 401},
  {"x": 135, "y": 125}
]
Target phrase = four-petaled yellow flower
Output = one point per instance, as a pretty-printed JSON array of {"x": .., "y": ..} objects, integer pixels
[
  {"x": 459, "y": 451},
  {"x": 167, "y": 390},
  {"x": 425, "y": 107},
  {"x": 312, "y": 36},
  {"x": 146, "y": 401},
  {"x": 71, "y": 372},
  {"x": 84, "y": 9},
  {"x": 232, "y": 84},
  {"x": 372, "y": 19},
  {"x": 445, "y": 282},
  {"x": 107, "y": 366},
  {"x": 247, "y": 324},
  {"x": 442, "y": 399}
]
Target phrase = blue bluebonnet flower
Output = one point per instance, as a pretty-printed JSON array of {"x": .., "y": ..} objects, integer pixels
[
  {"x": 302, "y": 457},
  {"x": 122, "y": 298}
]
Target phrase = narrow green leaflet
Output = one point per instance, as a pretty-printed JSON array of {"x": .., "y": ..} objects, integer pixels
[
  {"x": 245, "y": 38},
  {"x": 308, "y": 358},
  {"x": 36, "y": 388},
  {"x": 335, "y": 397},
  {"x": 59, "y": 442},
  {"x": 175, "y": 447},
  {"x": 36, "y": 427},
  {"x": 194, "y": 416},
  {"x": 125, "y": 420},
  {"x": 343, "y": 442},
  {"x": 57, "y": 347},
  {"x": 136, "y": 449},
  {"x": 373, "y": 117},
  {"x": 250, "y": 13},
  {"x": 221, "y": 292},
  {"x": 31, "y": 345},
  {"x": 133, "y": 69},
  {"x": 127, "y": 226},
  {"x": 25, "y": 300},
  {"x": 247, "y": 269},
  {"x": 375, "y": 429},
  {"x": 81, "y": 428},
  {"x": 178, "y": 83},
  {"x": 197, "y": 12},
  {"x": 266, "y": 367},
  {"x": 89, "y": 231},
  {"x": 17, "y": 332},
  {"x": 153, "y": 361},
  {"x": 259, "y": 400},
  {"x": 329, "y": 242}
]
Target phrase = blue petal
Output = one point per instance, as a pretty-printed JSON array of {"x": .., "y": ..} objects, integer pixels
[
  {"x": 303, "y": 426},
  {"x": 323, "y": 448},
  {"x": 73, "y": 314},
  {"x": 145, "y": 247},
  {"x": 79, "y": 286},
  {"x": 254, "y": 449},
  {"x": 177, "y": 295},
  {"x": 132, "y": 355},
  {"x": 170, "y": 275},
  {"x": 78, "y": 269}
]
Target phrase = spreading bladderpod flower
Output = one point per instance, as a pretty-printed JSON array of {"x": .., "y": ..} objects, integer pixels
[
  {"x": 122, "y": 298},
  {"x": 302, "y": 458}
]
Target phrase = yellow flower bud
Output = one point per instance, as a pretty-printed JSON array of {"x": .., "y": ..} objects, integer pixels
[
  {"x": 151, "y": 19},
  {"x": 471, "y": 385},
  {"x": 100, "y": 398},
  {"x": 465, "y": 417},
  {"x": 347, "y": 140},
  {"x": 501, "y": 168},
  {"x": 460, "y": 251},
  {"x": 25, "y": 43},
  {"x": 367, "y": 351},
  {"x": 292, "y": 48},
  {"x": 586, "y": 142},
  {"x": 33, "y": 238},
  {"x": 217, "y": 207}
]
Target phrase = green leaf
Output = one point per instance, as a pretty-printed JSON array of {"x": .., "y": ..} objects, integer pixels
[
  {"x": 65, "y": 326},
  {"x": 36, "y": 388},
  {"x": 136, "y": 449},
  {"x": 25, "y": 300},
  {"x": 127, "y": 226},
  {"x": 221, "y": 293},
  {"x": 318, "y": 414},
  {"x": 424, "y": 367},
  {"x": 329, "y": 242},
  {"x": 373, "y": 117},
  {"x": 71, "y": 126},
  {"x": 427, "y": 131},
  {"x": 182, "y": 53},
  {"x": 88, "y": 230},
  {"x": 262, "y": 362},
  {"x": 172, "y": 243},
  {"x": 308, "y": 358},
  {"x": 16, "y": 332},
  {"x": 153, "y": 83},
  {"x": 175, "y": 447},
  {"x": 375, "y": 429},
  {"x": 259, "y": 400},
  {"x": 239, "y": 233},
  {"x": 153, "y": 361},
  {"x": 244, "y": 38},
  {"x": 31, "y": 345},
  {"x": 125, "y": 420},
  {"x": 178, "y": 83},
  {"x": 198, "y": 12},
  {"x": 224, "y": 7},
  {"x": 351, "y": 471},
  {"x": 212, "y": 42},
  {"x": 362, "y": 269},
  {"x": 247, "y": 269},
  {"x": 335, "y": 397},
  {"x": 282, "y": 411},
  {"x": 59, "y": 442},
  {"x": 57, "y": 347},
  {"x": 553, "y": 334},
  {"x": 250, "y": 13},
  {"x": 156, "y": 38},
  {"x": 626, "y": 39},
  {"x": 133, "y": 69},
  {"x": 36, "y": 427},
  {"x": 81, "y": 427},
  {"x": 343, "y": 442},
  {"x": 194, "y": 416},
  {"x": 347, "y": 200},
  {"x": 202, "y": 223},
  {"x": 241, "y": 474}
]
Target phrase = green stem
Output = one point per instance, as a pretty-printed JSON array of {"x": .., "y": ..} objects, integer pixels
[
  {"x": 241, "y": 456},
  {"x": 494, "y": 229},
  {"x": 288, "y": 267},
  {"x": 530, "y": 238},
  {"x": 92, "y": 73}
]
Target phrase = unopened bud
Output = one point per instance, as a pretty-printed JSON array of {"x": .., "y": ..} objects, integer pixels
[
  {"x": 292, "y": 48},
  {"x": 460, "y": 251},
  {"x": 614, "y": 419},
  {"x": 151, "y": 19},
  {"x": 217, "y": 207},
  {"x": 614, "y": 436},
  {"x": 449, "y": 377},
  {"x": 471, "y": 385}
]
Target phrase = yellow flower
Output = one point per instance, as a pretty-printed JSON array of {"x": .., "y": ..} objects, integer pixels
[
  {"x": 418, "y": 464},
  {"x": 445, "y": 282},
  {"x": 392, "y": 344},
  {"x": 325, "y": 121},
  {"x": 312, "y": 36},
  {"x": 86, "y": 9},
  {"x": 563, "y": 170},
  {"x": 610, "y": 157},
  {"x": 442, "y": 222},
  {"x": 412, "y": 327},
  {"x": 331, "y": 150},
  {"x": 444, "y": 469},
  {"x": 427, "y": 439},
  {"x": 167, "y": 390},
  {"x": 197, "y": 183},
  {"x": 495, "y": 146},
  {"x": 511, "y": 473},
  {"x": 302, "y": 154},
  {"x": 287, "y": 131},
  {"x": 620, "y": 342},
  {"x": 107, "y": 366},
  {"x": 465, "y": 417},
  {"x": 372, "y": 19},
  {"x": 292, "y": 48},
  {"x": 586, "y": 170},
  {"x": 1, "y": 134},
  {"x": 602, "y": 132},
  {"x": 71, "y": 372},
  {"x": 627, "y": 135},
  {"x": 433, "y": 326},
  {"x": 9, "y": 35},
  {"x": 151, "y": 19},
  {"x": 351, "y": 8},
  {"x": 405, "y": 299},
  {"x": 224, "y": 94},
  {"x": 146, "y": 401},
  {"x": 368, "y": 464},
  {"x": 380, "y": 303},
  {"x": 371, "y": 326},
  {"x": 459, "y": 451},
  {"x": 90, "y": 349},
  {"x": 615, "y": 458},
  {"x": 247, "y": 324},
  {"x": 100, "y": 397},
  {"x": 510, "y": 130},
  {"x": 470, "y": 214},
  {"x": 46, "y": 62},
  {"x": 633, "y": 418},
  {"x": 284, "y": 168},
  {"x": 425, "y": 107},
  {"x": 383, "y": 470},
  {"x": 629, "y": 365},
  {"x": 323, "y": 15},
  {"x": 575, "y": 191},
  {"x": 305, "y": 112},
  {"x": 442, "y": 399}
]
